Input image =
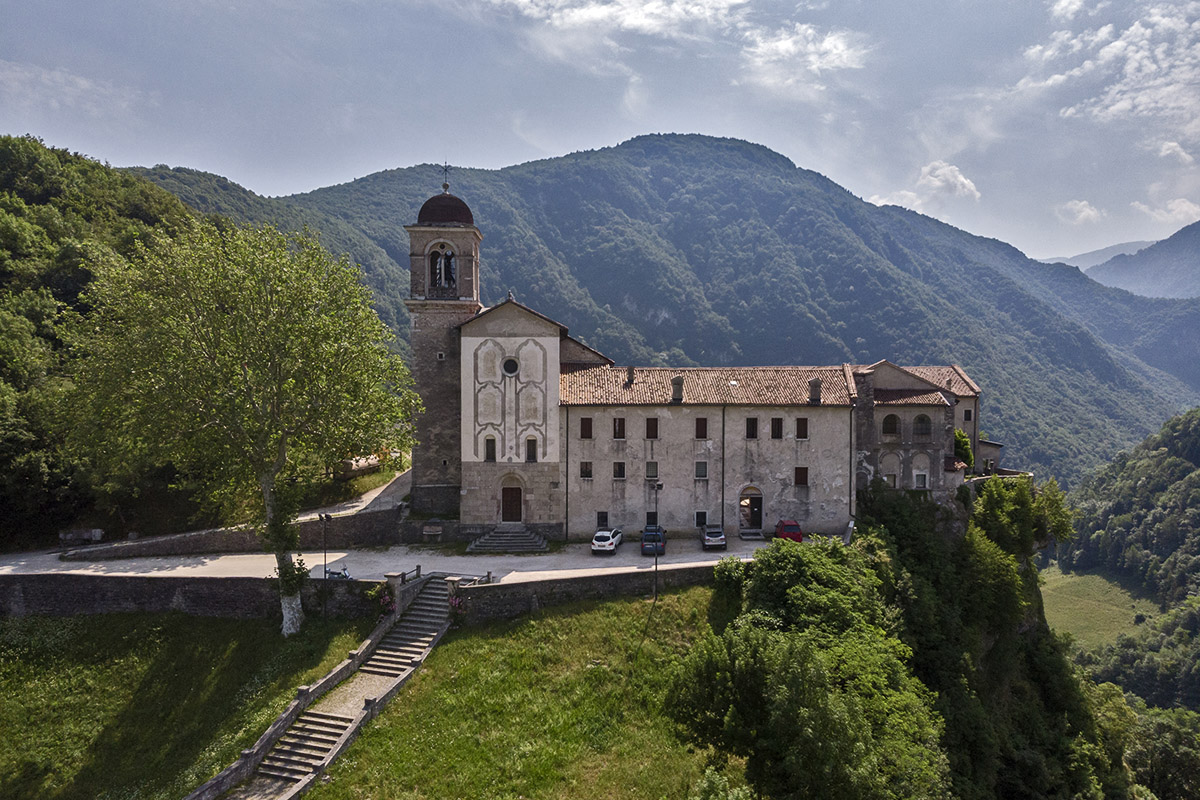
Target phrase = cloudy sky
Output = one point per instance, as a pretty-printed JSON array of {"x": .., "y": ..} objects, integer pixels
[{"x": 1059, "y": 126}]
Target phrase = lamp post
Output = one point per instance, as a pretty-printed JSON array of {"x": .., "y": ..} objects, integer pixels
[
  {"x": 662, "y": 537},
  {"x": 325, "y": 547}
]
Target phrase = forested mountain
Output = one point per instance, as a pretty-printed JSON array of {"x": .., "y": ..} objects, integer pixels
[
  {"x": 1170, "y": 268},
  {"x": 1140, "y": 516},
  {"x": 693, "y": 250}
]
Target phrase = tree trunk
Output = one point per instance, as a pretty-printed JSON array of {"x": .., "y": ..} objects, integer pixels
[{"x": 293, "y": 611}]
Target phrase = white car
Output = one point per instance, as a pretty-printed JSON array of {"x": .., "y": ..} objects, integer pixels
[{"x": 607, "y": 541}]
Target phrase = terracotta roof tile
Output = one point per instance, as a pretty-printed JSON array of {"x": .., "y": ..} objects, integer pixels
[
  {"x": 761, "y": 386},
  {"x": 909, "y": 397},
  {"x": 960, "y": 383}
]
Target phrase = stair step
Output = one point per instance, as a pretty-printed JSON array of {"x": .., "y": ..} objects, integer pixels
[
  {"x": 329, "y": 737},
  {"x": 300, "y": 749},
  {"x": 326, "y": 716},
  {"x": 387, "y": 672},
  {"x": 278, "y": 758},
  {"x": 284, "y": 774}
]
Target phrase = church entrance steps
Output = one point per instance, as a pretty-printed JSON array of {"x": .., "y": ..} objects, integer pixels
[{"x": 509, "y": 537}]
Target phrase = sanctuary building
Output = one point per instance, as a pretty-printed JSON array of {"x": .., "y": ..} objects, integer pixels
[{"x": 524, "y": 424}]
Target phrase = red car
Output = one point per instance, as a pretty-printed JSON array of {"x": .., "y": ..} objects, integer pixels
[{"x": 789, "y": 529}]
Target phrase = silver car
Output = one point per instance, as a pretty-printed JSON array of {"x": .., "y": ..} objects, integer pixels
[{"x": 712, "y": 536}]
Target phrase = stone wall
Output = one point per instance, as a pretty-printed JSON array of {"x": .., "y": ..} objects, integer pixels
[
  {"x": 496, "y": 601},
  {"x": 365, "y": 529},
  {"x": 241, "y": 598}
]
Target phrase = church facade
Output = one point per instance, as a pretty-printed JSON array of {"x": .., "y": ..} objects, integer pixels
[{"x": 524, "y": 424}]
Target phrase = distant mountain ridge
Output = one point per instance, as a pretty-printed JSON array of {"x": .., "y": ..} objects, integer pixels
[
  {"x": 1170, "y": 268},
  {"x": 1086, "y": 261},
  {"x": 686, "y": 249}
]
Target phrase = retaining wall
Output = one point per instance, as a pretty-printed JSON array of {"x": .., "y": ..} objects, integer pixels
[
  {"x": 58, "y": 594},
  {"x": 494, "y": 601}
]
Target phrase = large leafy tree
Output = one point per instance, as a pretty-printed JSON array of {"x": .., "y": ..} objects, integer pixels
[{"x": 240, "y": 356}]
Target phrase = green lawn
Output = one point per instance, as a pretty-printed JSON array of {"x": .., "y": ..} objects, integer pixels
[
  {"x": 145, "y": 706},
  {"x": 1090, "y": 607},
  {"x": 567, "y": 704}
]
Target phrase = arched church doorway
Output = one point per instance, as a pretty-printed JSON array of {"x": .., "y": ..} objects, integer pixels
[{"x": 750, "y": 505}]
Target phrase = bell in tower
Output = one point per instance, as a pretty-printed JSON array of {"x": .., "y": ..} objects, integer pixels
[{"x": 443, "y": 294}]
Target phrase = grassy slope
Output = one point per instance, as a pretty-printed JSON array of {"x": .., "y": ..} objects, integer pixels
[
  {"x": 562, "y": 705},
  {"x": 123, "y": 706},
  {"x": 1090, "y": 607}
]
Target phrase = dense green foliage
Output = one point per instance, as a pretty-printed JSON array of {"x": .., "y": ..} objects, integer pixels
[
  {"x": 1170, "y": 268},
  {"x": 1139, "y": 517},
  {"x": 58, "y": 210},
  {"x": 1017, "y": 721},
  {"x": 962, "y": 448},
  {"x": 693, "y": 250},
  {"x": 810, "y": 688},
  {"x": 568, "y": 704},
  {"x": 1160, "y": 662},
  {"x": 145, "y": 706},
  {"x": 920, "y": 650}
]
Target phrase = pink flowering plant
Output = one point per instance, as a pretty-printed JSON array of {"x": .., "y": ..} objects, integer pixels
[{"x": 381, "y": 595}]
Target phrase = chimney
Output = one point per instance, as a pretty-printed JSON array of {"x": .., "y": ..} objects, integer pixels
[
  {"x": 814, "y": 391},
  {"x": 677, "y": 389},
  {"x": 629, "y": 376}
]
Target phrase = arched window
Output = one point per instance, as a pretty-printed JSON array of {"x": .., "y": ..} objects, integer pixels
[
  {"x": 922, "y": 427},
  {"x": 891, "y": 425}
]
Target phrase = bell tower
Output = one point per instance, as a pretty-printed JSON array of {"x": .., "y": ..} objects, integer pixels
[{"x": 443, "y": 294}]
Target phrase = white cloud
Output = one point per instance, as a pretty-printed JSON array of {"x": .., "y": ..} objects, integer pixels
[
  {"x": 938, "y": 182},
  {"x": 30, "y": 88},
  {"x": 1065, "y": 9},
  {"x": 1144, "y": 66},
  {"x": 664, "y": 18},
  {"x": 1180, "y": 211},
  {"x": 1078, "y": 212},
  {"x": 1176, "y": 150},
  {"x": 939, "y": 179}
]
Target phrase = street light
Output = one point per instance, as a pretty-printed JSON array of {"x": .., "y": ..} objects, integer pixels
[
  {"x": 325, "y": 547},
  {"x": 662, "y": 537}
]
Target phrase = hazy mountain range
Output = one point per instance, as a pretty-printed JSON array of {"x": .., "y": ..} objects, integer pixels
[
  {"x": 673, "y": 249},
  {"x": 1170, "y": 268},
  {"x": 1091, "y": 258}
]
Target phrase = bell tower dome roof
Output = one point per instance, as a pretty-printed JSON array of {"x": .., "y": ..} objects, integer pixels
[{"x": 445, "y": 210}]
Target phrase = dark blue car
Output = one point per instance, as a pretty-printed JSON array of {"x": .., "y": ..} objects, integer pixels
[{"x": 654, "y": 541}]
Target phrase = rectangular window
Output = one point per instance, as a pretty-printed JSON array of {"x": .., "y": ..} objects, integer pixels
[
  {"x": 966, "y": 415},
  {"x": 651, "y": 427},
  {"x": 619, "y": 470},
  {"x": 618, "y": 427},
  {"x": 651, "y": 470},
  {"x": 752, "y": 427},
  {"x": 890, "y": 480},
  {"x": 802, "y": 476},
  {"x": 602, "y": 520},
  {"x": 651, "y": 517},
  {"x": 701, "y": 427},
  {"x": 921, "y": 480},
  {"x": 776, "y": 427},
  {"x": 531, "y": 450},
  {"x": 701, "y": 519},
  {"x": 489, "y": 449},
  {"x": 801, "y": 427},
  {"x": 701, "y": 469},
  {"x": 585, "y": 469},
  {"x": 585, "y": 427}
]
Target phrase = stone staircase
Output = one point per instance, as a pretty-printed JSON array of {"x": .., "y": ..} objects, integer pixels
[
  {"x": 315, "y": 733},
  {"x": 509, "y": 537},
  {"x": 405, "y": 646},
  {"x": 310, "y": 738}
]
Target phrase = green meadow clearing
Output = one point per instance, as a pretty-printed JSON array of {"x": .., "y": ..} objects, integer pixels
[{"x": 1093, "y": 609}]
